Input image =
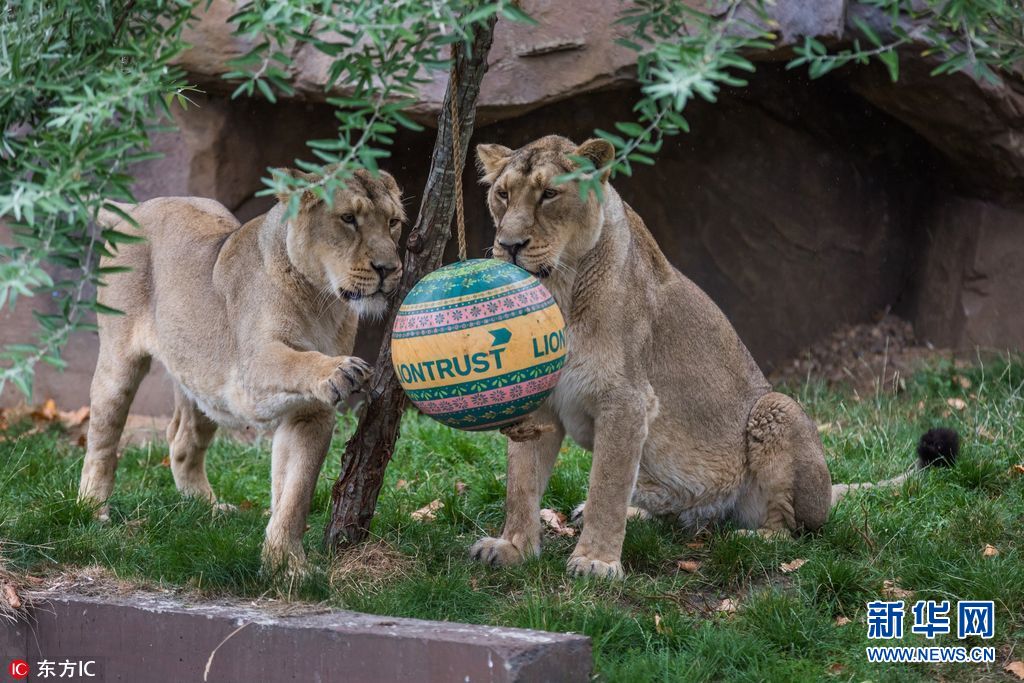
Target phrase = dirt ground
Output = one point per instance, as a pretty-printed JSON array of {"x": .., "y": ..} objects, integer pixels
[{"x": 865, "y": 357}]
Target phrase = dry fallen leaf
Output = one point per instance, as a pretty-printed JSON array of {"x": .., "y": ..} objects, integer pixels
[
  {"x": 426, "y": 513},
  {"x": 989, "y": 550},
  {"x": 460, "y": 487},
  {"x": 835, "y": 668},
  {"x": 727, "y": 606},
  {"x": 1017, "y": 469},
  {"x": 11, "y": 596},
  {"x": 166, "y": 462},
  {"x": 556, "y": 522},
  {"x": 46, "y": 412},
  {"x": 788, "y": 567},
  {"x": 690, "y": 566},
  {"x": 956, "y": 403},
  {"x": 1015, "y": 668},
  {"x": 892, "y": 590},
  {"x": 695, "y": 545},
  {"x": 75, "y": 418},
  {"x": 841, "y": 621},
  {"x": 401, "y": 484},
  {"x": 962, "y": 381}
]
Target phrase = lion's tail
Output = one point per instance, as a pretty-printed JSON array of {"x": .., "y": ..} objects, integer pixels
[{"x": 938, "y": 447}]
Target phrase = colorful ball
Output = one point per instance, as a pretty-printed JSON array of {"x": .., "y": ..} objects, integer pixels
[{"x": 478, "y": 344}]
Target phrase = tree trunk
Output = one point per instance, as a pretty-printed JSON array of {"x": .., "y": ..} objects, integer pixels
[{"x": 354, "y": 495}]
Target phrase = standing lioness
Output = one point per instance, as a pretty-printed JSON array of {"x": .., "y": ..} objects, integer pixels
[
  {"x": 255, "y": 324},
  {"x": 657, "y": 384}
]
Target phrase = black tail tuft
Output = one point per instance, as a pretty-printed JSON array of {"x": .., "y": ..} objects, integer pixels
[{"x": 938, "y": 447}]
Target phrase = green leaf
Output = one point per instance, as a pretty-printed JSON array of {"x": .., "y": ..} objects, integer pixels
[
  {"x": 892, "y": 63},
  {"x": 265, "y": 89},
  {"x": 632, "y": 129},
  {"x": 868, "y": 32},
  {"x": 516, "y": 14}
]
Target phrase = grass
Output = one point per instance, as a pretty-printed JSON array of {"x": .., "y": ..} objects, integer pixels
[{"x": 660, "y": 624}]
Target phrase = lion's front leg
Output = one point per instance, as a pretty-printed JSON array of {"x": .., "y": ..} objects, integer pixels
[
  {"x": 280, "y": 377},
  {"x": 620, "y": 430},
  {"x": 529, "y": 468},
  {"x": 300, "y": 446}
]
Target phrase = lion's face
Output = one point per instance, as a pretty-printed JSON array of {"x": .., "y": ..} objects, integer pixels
[
  {"x": 350, "y": 248},
  {"x": 542, "y": 227}
]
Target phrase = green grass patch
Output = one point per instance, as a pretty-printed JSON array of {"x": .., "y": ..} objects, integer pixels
[{"x": 660, "y": 624}]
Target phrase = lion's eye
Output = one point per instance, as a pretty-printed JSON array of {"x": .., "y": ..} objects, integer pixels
[
  {"x": 348, "y": 218},
  {"x": 502, "y": 194},
  {"x": 549, "y": 193},
  {"x": 394, "y": 222}
]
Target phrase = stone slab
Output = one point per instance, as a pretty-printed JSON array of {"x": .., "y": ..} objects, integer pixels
[{"x": 155, "y": 639}]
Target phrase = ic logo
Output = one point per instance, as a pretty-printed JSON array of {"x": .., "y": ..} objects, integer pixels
[{"x": 18, "y": 669}]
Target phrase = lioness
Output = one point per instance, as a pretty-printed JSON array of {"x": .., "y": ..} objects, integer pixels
[
  {"x": 657, "y": 384},
  {"x": 255, "y": 324}
]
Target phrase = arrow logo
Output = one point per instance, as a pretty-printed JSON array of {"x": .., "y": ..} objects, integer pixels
[{"x": 501, "y": 336}]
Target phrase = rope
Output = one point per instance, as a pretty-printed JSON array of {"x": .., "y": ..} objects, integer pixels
[{"x": 460, "y": 217}]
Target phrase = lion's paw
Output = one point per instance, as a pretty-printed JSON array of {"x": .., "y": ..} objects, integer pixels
[
  {"x": 284, "y": 563},
  {"x": 497, "y": 552},
  {"x": 102, "y": 514},
  {"x": 576, "y": 516},
  {"x": 581, "y": 565},
  {"x": 349, "y": 377}
]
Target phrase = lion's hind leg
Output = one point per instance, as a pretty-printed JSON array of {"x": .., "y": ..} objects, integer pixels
[
  {"x": 189, "y": 435},
  {"x": 117, "y": 377},
  {"x": 788, "y": 486}
]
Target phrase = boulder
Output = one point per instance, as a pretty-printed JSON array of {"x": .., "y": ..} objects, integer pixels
[
  {"x": 977, "y": 126},
  {"x": 571, "y": 50}
]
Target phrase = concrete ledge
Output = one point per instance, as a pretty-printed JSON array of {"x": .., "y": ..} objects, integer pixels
[{"x": 147, "y": 638}]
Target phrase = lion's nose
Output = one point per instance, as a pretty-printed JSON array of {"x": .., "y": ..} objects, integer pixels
[
  {"x": 384, "y": 269},
  {"x": 513, "y": 248}
]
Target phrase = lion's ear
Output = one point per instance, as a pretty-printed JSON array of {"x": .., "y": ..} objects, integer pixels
[
  {"x": 598, "y": 151},
  {"x": 491, "y": 161},
  {"x": 392, "y": 185},
  {"x": 308, "y": 198}
]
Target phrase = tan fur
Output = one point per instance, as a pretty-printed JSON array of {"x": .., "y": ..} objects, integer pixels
[
  {"x": 255, "y": 324},
  {"x": 680, "y": 419}
]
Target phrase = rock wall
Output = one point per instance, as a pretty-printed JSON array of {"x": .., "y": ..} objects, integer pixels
[
  {"x": 970, "y": 293},
  {"x": 798, "y": 205}
]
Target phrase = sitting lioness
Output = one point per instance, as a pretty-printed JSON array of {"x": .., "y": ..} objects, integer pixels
[
  {"x": 657, "y": 384},
  {"x": 255, "y": 324}
]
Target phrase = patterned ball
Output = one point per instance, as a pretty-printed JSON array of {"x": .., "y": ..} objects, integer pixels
[{"x": 478, "y": 344}]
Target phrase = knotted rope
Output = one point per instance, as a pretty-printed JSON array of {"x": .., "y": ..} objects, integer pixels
[{"x": 460, "y": 217}]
